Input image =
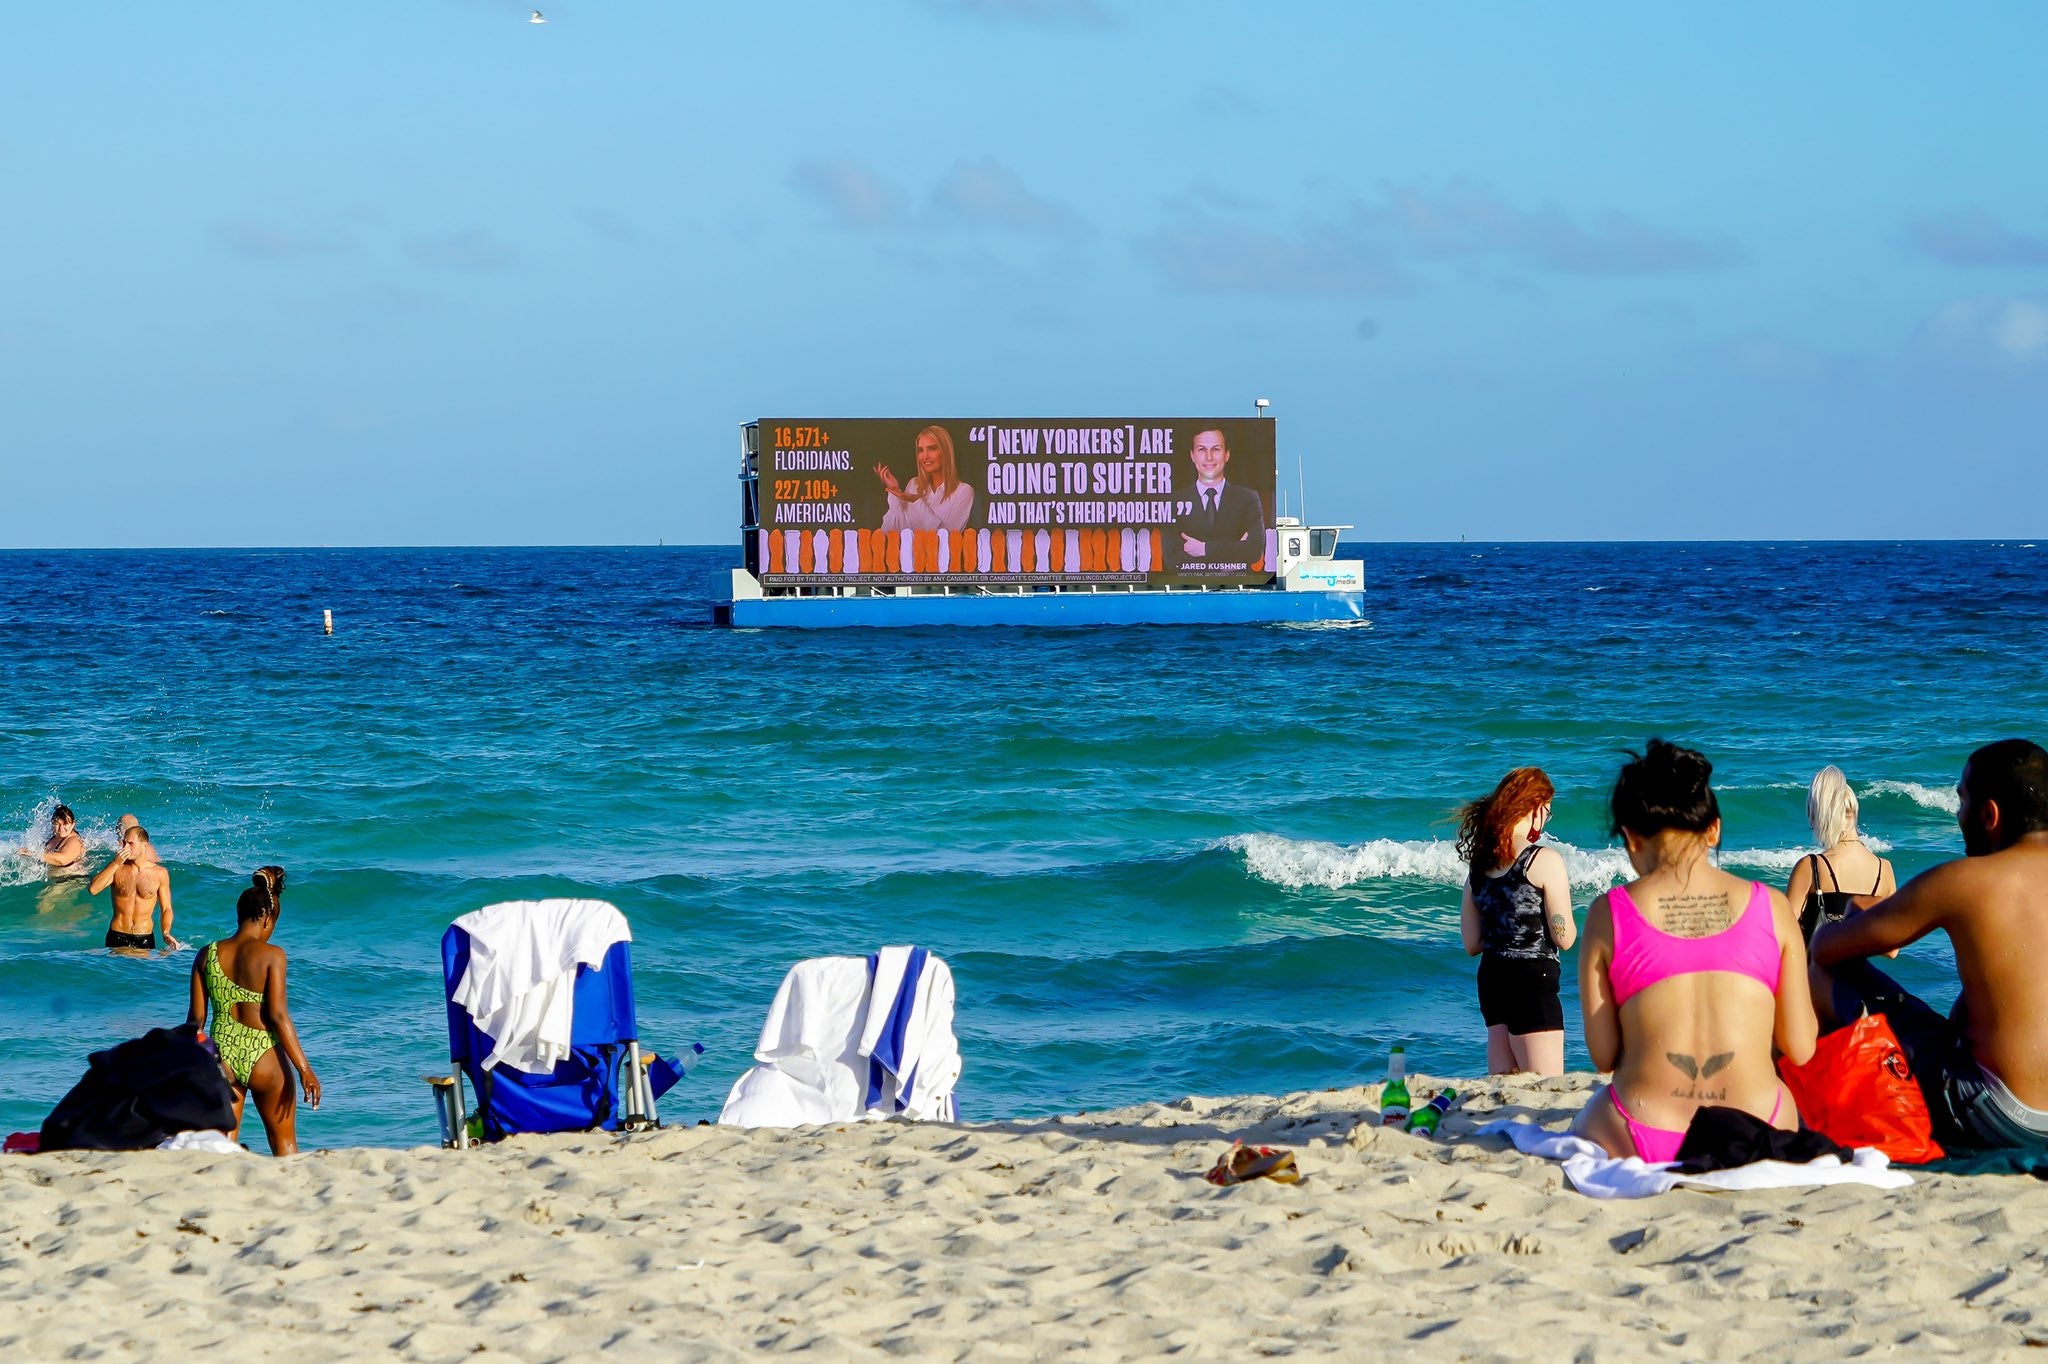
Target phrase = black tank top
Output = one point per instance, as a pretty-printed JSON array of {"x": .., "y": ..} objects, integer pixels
[
  {"x": 1511, "y": 913},
  {"x": 1829, "y": 906}
]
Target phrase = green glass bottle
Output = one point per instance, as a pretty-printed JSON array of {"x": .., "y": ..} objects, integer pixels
[
  {"x": 1394, "y": 1094},
  {"x": 1425, "y": 1118}
]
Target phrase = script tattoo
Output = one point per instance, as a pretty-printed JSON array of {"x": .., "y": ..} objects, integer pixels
[
  {"x": 1698, "y": 1071},
  {"x": 1693, "y": 916}
]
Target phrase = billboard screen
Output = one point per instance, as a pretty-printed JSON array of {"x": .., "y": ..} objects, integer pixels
[{"x": 892, "y": 501}]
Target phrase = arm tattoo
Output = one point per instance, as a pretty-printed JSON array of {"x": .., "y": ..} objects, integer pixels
[{"x": 1558, "y": 924}]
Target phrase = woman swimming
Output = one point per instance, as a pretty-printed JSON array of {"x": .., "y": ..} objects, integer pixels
[
  {"x": 1516, "y": 916},
  {"x": 1688, "y": 976},
  {"x": 243, "y": 978}
]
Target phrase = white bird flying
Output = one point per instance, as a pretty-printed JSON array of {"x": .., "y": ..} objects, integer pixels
[{"x": 536, "y": 19}]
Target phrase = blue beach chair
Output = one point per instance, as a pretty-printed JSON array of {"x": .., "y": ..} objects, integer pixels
[{"x": 603, "y": 1082}]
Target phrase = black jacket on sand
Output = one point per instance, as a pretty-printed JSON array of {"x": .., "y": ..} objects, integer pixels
[{"x": 139, "y": 1093}]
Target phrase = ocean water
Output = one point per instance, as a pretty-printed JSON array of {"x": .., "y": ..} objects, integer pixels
[{"x": 1160, "y": 862}]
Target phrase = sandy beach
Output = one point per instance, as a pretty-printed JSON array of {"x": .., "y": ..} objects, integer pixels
[{"x": 1089, "y": 1236}]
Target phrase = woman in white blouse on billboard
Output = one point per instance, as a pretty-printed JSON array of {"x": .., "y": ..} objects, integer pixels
[{"x": 936, "y": 498}]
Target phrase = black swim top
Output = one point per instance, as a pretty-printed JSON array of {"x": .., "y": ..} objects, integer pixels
[
  {"x": 1829, "y": 906},
  {"x": 1511, "y": 913}
]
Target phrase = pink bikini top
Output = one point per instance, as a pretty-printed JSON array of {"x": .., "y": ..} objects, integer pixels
[{"x": 1645, "y": 954}]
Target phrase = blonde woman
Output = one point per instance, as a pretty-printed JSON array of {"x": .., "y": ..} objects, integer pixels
[
  {"x": 1824, "y": 884},
  {"x": 935, "y": 498}
]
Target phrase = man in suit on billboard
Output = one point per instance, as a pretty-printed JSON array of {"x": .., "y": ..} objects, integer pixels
[{"x": 1227, "y": 523}]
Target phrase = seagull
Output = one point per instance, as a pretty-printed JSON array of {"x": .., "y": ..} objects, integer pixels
[{"x": 536, "y": 19}]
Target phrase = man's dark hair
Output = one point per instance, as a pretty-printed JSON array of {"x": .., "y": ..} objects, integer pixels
[{"x": 2013, "y": 772}]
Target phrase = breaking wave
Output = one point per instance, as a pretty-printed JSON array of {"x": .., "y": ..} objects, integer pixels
[
  {"x": 1300, "y": 864},
  {"x": 1941, "y": 798}
]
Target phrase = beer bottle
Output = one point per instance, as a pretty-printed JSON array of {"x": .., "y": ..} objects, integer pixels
[
  {"x": 1425, "y": 1118},
  {"x": 1394, "y": 1095}
]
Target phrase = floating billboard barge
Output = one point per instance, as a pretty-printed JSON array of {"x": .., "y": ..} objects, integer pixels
[{"x": 1026, "y": 521}]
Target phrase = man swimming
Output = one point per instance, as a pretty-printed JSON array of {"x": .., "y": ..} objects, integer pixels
[
  {"x": 63, "y": 850},
  {"x": 1984, "y": 1068},
  {"x": 141, "y": 885}
]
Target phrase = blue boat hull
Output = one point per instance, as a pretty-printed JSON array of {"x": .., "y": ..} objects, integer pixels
[{"x": 1248, "y": 607}]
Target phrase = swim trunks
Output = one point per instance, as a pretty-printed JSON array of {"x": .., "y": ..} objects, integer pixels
[
  {"x": 1970, "y": 1106},
  {"x": 146, "y": 941}
]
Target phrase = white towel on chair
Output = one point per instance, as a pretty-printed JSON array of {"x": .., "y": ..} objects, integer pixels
[
  {"x": 930, "y": 1062},
  {"x": 521, "y": 983},
  {"x": 828, "y": 1032}
]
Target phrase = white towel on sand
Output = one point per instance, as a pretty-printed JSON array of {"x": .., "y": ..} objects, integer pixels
[
  {"x": 521, "y": 982},
  {"x": 202, "y": 1139},
  {"x": 1596, "y": 1174}
]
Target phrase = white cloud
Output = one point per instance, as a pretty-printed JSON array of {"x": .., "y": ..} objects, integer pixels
[
  {"x": 1045, "y": 13},
  {"x": 1370, "y": 246},
  {"x": 474, "y": 249},
  {"x": 986, "y": 193},
  {"x": 856, "y": 195},
  {"x": 2004, "y": 332},
  {"x": 973, "y": 194},
  {"x": 1973, "y": 237},
  {"x": 1209, "y": 257}
]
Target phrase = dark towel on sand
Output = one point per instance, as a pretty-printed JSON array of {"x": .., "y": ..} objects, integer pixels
[
  {"x": 141, "y": 1092},
  {"x": 1723, "y": 1138}
]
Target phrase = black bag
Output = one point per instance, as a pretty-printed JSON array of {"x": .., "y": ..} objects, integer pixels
[{"x": 136, "y": 1095}]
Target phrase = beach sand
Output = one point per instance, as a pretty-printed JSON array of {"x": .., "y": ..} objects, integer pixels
[{"x": 1089, "y": 1236}]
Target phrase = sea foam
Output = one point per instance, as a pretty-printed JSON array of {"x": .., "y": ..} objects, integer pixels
[
  {"x": 1941, "y": 798},
  {"x": 1300, "y": 864}
]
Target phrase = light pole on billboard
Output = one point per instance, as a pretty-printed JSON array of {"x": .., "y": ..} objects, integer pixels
[{"x": 1259, "y": 406}]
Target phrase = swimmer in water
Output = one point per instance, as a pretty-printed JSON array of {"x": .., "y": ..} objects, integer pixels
[
  {"x": 63, "y": 850},
  {"x": 121, "y": 828},
  {"x": 141, "y": 886}
]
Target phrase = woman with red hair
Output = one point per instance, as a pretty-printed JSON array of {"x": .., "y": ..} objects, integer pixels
[{"x": 1516, "y": 917}]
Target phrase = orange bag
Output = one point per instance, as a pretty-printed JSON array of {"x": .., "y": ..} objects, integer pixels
[{"x": 1858, "y": 1090}]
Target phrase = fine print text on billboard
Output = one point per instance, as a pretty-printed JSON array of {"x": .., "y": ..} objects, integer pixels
[{"x": 893, "y": 501}]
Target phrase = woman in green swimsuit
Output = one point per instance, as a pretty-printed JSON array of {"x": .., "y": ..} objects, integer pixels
[{"x": 243, "y": 979}]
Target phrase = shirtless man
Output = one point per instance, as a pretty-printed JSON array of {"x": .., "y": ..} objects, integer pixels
[
  {"x": 141, "y": 885},
  {"x": 1984, "y": 1068},
  {"x": 63, "y": 850}
]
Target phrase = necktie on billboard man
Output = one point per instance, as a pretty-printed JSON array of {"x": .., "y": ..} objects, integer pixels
[{"x": 888, "y": 502}]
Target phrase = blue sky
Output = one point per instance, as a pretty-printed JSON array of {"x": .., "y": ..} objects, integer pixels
[{"x": 419, "y": 272}]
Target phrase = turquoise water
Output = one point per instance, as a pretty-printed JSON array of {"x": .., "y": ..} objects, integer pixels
[{"x": 1160, "y": 862}]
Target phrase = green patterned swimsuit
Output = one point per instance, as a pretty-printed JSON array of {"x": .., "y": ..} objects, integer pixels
[{"x": 241, "y": 1046}]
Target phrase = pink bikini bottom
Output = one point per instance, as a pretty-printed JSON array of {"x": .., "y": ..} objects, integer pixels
[{"x": 1658, "y": 1145}]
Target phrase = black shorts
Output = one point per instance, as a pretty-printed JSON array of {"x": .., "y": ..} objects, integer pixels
[
  {"x": 146, "y": 941},
  {"x": 1520, "y": 994}
]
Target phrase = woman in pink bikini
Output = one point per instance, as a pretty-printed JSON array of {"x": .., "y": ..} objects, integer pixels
[{"x": 1689, "y": 977}]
